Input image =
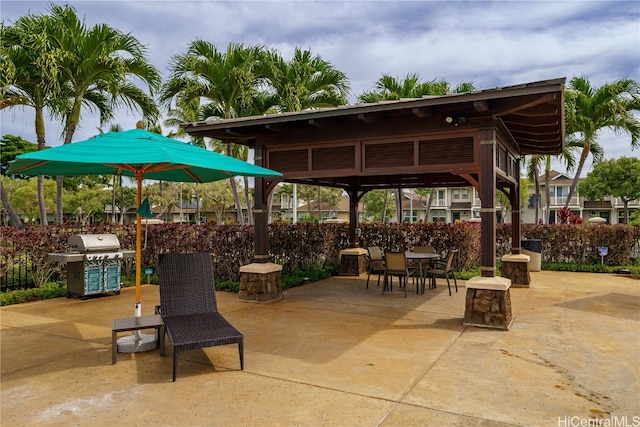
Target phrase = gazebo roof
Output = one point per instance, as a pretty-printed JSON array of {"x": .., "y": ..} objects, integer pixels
[{"x": 531, "y": 113}]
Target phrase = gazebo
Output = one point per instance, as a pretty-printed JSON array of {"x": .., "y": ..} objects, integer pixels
[{"x": 476, "y": 138}]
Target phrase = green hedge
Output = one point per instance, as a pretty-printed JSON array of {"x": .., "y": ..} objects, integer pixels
[{"x": 308, "y": 246}]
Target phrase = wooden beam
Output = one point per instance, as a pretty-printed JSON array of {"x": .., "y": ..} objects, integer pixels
[
  {"x": 314, "y": 122},
  {"x": 481, "y": 106},
  {"x": 272, "y": 128},
  {"x": 366, "y": 118},
  {"x": 422, "y": 112}
]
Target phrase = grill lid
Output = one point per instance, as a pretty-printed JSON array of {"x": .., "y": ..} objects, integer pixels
[{"x": 93, "y": 242}]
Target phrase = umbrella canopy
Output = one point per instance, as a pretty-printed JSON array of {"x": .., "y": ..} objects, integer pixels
[
  {"x": 132, "y": 152},
  {"x": 140, "y": 154}
]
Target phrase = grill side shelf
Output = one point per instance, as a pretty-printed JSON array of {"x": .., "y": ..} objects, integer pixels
[{"x": 65, "y": 257}]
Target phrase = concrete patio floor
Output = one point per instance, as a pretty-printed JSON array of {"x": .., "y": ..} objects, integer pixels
[{"x": 333, "y": 353}]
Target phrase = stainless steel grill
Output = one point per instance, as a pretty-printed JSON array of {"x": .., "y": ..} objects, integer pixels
[{"x": 93, "y": 264}]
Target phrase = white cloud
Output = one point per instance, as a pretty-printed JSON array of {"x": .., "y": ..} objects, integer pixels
[{"x": 492, "y": 43}]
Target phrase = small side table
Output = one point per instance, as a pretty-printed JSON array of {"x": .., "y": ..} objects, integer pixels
[{"x": 135, "y": 324}]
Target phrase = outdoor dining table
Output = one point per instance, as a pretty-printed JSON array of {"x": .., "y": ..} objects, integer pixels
[{"x": 421, "y": 256}]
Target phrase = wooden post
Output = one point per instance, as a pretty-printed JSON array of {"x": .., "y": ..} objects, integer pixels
[
  {"x": 515, "y": 213},
  {"x": 354, "y": 238},
  {"x": 488, "y": 203},
  {"x": 260, "y": 213}
]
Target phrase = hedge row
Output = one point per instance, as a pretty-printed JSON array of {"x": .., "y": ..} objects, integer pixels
[{"x": 307, "y": 246}]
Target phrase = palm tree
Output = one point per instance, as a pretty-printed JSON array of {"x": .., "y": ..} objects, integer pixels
[
  {"x": 30, "y": 79},
  {"x": 533, "y": 172},
  {"x": 306, "y": 82},
  {"x": 96, "y": 70},
  {"x": 226, "y": 80},
  {"x": 391, "y": 88},
  {"x": 590, "y": 109}
]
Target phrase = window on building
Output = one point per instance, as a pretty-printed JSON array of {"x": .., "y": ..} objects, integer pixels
[
  {"x": 407, "y": 214},
  {"x": 438, "y": 215}
]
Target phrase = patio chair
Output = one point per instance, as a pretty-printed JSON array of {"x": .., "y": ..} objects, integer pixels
[
  {"x": 376, "y": 263},
  {"x": 395, "y": 265},
  {"x": 188, "y": 305},
  {"x": 443, "y": 268}
]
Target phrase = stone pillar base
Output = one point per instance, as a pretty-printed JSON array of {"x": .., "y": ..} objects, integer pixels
[
  {"x": 488, "y": 303},
  {"x": 353, "y": 262},
  {"x": 260, "y": 282},
  {"x": 516, "y": 268}
]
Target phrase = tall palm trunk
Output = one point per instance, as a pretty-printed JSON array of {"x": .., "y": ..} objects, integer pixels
[
  {"x": 583, "y": 159},
  {"x": 385, "y": 202},
  {"x": 113, "y": 200},
  {"x": 398, "y": 196},
  {"x": 427, "y": 212},
  {"x": 39, "y": 125},
  {"x": 547, "y": 170},
  {"x": 246, "y": 197},
  {"x": 234, "y": 190}
]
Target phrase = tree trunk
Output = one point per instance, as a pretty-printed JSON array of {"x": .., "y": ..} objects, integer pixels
[
  {"x": 7, "y": 204},
  {"x": 246, "y": 197},
  {"x": 583, "y": 160},
  {"x": 234, "y": 190},
  {"x": 123, "y": 208},
  {"x": 384, "y": 206},
  {"x": 538, "y": 201},
  {"x": 398, "y": 197},
  {"x": 269, "y": 208},
  {"x": 319, "y": 204},
  {"x": 197, "y": 206},
  {"x": 40, "y": 132},
  {"x": 59, "y": 218},
  {"x": 41, "y": 205},
  {"x": 113, "y": 200},
  {"x": 427, "y": 211},
  {"x": 547, "y": 197},
  {"x": 236, "y": 198}
]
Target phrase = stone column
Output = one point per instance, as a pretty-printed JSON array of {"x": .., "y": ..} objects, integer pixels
[
  {"x": 516, "y": 268},
  {"x": 353, "y": 262},
  {"x": 260, "y": 282},
  {"x": 488, "y": 303}
]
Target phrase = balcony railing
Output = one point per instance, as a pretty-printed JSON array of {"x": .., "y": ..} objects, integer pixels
[
  {"x": 561, "y": 201},
  {"x": 439, "y": 203}
]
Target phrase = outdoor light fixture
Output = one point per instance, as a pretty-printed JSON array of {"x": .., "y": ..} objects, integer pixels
[{"x": 455, "y": 120}]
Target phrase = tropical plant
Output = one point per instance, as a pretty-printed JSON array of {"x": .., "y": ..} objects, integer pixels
[
  {"x": 223, "y": 83},
  {"x": 32, "y": 80},
  {"x": 96, "y": 67},
  {"x": 590, "y": 109},
  {"x": 305, "y": 82}
]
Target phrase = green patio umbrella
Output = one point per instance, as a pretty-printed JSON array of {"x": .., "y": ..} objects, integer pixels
[{"x": 140, "y": 154}]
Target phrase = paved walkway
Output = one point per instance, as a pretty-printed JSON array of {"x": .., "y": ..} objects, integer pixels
[{"x": 333, "y": 353}]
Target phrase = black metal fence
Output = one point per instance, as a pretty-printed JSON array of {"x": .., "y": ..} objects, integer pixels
[{"x": 18, "y": 274}]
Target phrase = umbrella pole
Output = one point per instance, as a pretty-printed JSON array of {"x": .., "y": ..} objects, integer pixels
[
  {"x": 138, "y": 341},
  {"x": 138, "y": 307}
]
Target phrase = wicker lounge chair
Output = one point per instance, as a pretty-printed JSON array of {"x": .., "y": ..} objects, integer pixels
[{"x": 188, "y": 305}]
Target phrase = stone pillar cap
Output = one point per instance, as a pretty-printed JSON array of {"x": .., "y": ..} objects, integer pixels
[
  {"x": 260, "y": 268},
  {"x": 488, "y": 283},
  {"x": 516, "y": 258}
]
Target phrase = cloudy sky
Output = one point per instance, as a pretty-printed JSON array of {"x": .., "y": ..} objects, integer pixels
[{"x": 491, "y": 43}]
